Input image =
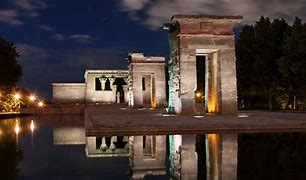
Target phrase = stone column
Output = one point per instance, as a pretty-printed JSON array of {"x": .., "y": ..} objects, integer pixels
[
  {"x": 137, "y": 89},
  {"x": 125, "y": 90},
  {"x": 189, "y": 158},
  {"x": 113, "y": 88},
  {"x": 103, "y": 146},
  {"x": 112, "y": 80},
  {"x": 103, "y": 80},
  {"x": 112, "y": 145}
]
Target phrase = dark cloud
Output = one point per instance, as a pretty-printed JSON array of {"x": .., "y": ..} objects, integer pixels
[
  {"x": 41, "y": 67},
  {"x": 158, "y": 12}
]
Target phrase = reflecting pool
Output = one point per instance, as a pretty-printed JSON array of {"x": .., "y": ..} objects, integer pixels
[{"x": 55, "y": 147}]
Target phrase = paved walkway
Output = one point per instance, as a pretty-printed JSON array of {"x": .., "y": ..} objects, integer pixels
[{"x": 116, "y": 120}]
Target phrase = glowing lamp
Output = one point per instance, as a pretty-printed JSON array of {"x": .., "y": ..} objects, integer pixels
[
  {"x": 40, "y": 104},
  {"x": 32, "y": 98},
  {"x": 17, "y": 96},
  {"x": 17, "y": 129},
  {"x": 32, "y": 126},
  {"x": 198, "y": 94}
]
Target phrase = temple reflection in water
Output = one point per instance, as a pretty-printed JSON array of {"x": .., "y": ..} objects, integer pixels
[{"x": 189, "y": 156}]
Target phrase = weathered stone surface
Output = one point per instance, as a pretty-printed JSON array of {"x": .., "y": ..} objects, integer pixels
[
  {"x": 142, "y": 164},
  {"x": 189, "y": 158},
  {"x": 151, "y": 71},
  {"x": 212, "y": 37},
  {"x": 69, "y": 135},
  {"x": 68, "y": 92},
  {"x": 106, "y": 96},
  {"x": 229, "y": 156}
]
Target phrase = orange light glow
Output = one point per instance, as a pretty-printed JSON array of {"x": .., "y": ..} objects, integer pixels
[
  {"x": 32, "y": 98},
  {"x": 41, "y": 104},
  {"x": 32, "y": 126},
  {"x": 17, "y": 96},
  {"x": 17, "y": 129}
]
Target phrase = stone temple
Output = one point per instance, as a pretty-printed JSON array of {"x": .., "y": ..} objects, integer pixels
[
  {"x": 201, "y": 71},
  {"x": 198, "y": 78}
]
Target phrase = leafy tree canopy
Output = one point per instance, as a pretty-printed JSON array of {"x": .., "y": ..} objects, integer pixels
[{"x": 10, "y": 70}]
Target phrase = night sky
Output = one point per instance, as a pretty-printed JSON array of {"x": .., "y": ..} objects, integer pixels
[{"x": 59, "y": 39}]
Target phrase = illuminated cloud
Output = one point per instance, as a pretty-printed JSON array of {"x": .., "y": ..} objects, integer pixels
[
  {"x": 29, "y": 5},
  {"x": 82, "y": 38},
  {"x": 46, "y": 27},
  {"x": 159, "y": 11},
  {"x": 10, "y": 17}
]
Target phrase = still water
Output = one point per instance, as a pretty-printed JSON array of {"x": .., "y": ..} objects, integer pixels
[{"x": 50, "y": 147}]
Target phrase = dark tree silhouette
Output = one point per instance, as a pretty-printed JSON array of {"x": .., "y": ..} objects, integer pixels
[
  {"x": 271, "y": 61},
  {"x": 10, "y": 70}
]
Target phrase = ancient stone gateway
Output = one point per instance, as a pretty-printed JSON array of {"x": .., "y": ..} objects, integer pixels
[
  {"x": 202, "y": 64},
  {"x": 146, "y": 81}
]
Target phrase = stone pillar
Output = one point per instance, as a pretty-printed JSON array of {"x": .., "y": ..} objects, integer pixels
[
  {"x": 113, "y": 88},
  {"x": 137, "y": 89},
  {"x": 228, "y": 74},
  {"x": 189, "y": 158},
  {"x": 112, "y": 145},
  {"x": 222, "y": 156},
  {"x": 103, "y": 146},
  {"x": 112, "y": 80},
  {"x": 103, "y": 80}
]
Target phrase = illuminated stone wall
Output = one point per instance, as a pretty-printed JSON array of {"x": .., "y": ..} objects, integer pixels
[
  {"x": 212, "y": 37},
  {"x": 152, "y": 69},
  {"x": 87, "y": 92},
  {"x": 183, "y": 157},
  {"x": 105, "y": 96},
  {"x": 142, "y": 163},
  {"x": 222, "y": 156},
  {"x": 68, "y": 92}
]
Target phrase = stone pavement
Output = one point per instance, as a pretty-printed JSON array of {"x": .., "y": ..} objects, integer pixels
[{"x": 119, "y": 120}]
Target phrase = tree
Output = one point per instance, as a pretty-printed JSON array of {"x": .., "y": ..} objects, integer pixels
[
  {"x": 10, "y": 70},
  {"x": 292, "y": 64},
  {"x": 244, "y": 63},
  {"x": 258, "y": 51}
]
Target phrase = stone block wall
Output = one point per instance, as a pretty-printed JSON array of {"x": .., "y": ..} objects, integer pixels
[
  {"x": 153, "y": 70},
  {"x": 142, "y": 165},
  {"x": 212, "y": 37},
  {"x": 68, "y": 92},
  {"x": 105, "y": 96}
]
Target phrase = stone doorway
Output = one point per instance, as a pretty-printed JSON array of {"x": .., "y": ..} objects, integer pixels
[
  {"x": 207, "y": 81},
  {"x": 148, "y": 90},
  {"x": 199, "y": 94}
]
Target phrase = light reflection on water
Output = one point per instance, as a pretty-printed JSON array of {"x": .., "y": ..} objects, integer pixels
[
  {"x": 27, "y": 151},
  {"x": 52, "y": 147}
]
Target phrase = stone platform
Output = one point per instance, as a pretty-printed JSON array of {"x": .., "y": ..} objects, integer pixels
[{"x": 117, "y": 120}]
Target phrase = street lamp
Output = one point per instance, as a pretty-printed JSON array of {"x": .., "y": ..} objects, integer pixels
[
  {"x": 17, "y": 96},
  {"x": 32, "y": 98},
  {"x": 40, "y": 104}
]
